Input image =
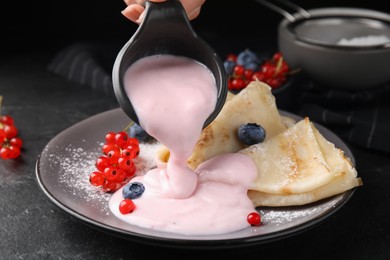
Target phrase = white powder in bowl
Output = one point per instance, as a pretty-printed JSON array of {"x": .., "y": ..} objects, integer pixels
[{"x": 364, "y": 40}]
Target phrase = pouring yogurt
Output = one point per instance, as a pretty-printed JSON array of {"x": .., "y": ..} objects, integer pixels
[{"x": 173, "y": 96}]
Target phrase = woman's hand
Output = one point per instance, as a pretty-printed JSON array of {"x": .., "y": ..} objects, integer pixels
[{"x": 135, "y": 8}]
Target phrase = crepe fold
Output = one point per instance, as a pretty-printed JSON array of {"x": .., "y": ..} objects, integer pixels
[
  {"x": 299, "y": 166},
  {"x": 254, "y": 104}
]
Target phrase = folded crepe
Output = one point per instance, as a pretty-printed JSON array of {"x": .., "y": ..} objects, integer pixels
[
  {"x": 299, "y": 166},
  {"x": 253, "y": 104}
]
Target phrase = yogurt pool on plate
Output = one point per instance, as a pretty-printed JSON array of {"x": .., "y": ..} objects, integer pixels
[{"x": 173, "y": 96}]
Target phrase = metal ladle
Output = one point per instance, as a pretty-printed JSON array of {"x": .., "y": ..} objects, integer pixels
[{"x": 166, "y": 29}]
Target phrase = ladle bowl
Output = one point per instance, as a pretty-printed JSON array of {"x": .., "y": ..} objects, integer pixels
[{"x": 166, "y": 29}]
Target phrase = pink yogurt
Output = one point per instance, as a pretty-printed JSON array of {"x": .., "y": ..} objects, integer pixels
[{"x": 173, "y": 96}]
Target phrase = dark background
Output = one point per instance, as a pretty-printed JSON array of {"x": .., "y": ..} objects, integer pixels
[
  {"x": 43, "y": 104},
  {"x": 42, "y": 25}
]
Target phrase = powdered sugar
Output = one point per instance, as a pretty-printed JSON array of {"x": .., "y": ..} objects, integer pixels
[
  {"x": 296, "y": 215},
  {"x": 365, "y": 40},
  {"x": 76, "y": 164}
]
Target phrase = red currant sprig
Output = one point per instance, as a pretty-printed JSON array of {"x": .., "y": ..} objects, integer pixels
[
  {"x": 10, "y": 143},
  {"x": 240, "y": 77},
  {"x": 273, "y": 71},
  {"x": 115, "y": 167}
]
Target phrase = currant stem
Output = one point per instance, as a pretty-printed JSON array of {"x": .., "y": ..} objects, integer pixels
[
  {"x": 294, "y": 71},
  {"x": 128, "y": 126},
  {"x": 278, "y": 66}
]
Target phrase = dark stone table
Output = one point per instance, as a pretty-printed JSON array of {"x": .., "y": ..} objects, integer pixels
[{"x": 32, "y": 227}]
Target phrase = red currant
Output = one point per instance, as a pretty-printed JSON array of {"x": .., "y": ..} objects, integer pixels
[
  {"x": 125, "y": 163},
  {"x": 121, "y": 139},
  {"x": 110, "y": 186},
  {"x": 231, "y": 57},
  {"x": 102, "y": 162},
  {"x": 7, "y": 120},
  {"x": 238, "y": 70},
  {"x": 113, "y": 156},
  {"x": 2, "y": 136},
  {"x": 5, "y": 153},
  {"x": 126, "y": 206},
  {"x": 111, "y": 173},
  {"x": 10, "y": 144},
  {"x": 238, "y": 83},
  {"x": 134, "y": 150},
  {"x": 14, "y": 152},
  {"x": 16, "y": 141},
  {"x": 121, "y": 176},
  {"x": 127, "y": 153},
  {"x": 132, "y": 141},
  {"x": 96, "y": 178},
  {"x": 276, "y": 56},
  {"x": 248, "y": 73},
  {"x": 258, "y": 76},
  {"x": 10, "y": 131},
  {"x": 131, "y": 172},
  {"x": 273, "y": 82},
  {"x": 254, "y": 219},
  {"x": 110, "y": 137},
  {"x": 109, "y": 147},
  {"x": 268, "y": 70}
]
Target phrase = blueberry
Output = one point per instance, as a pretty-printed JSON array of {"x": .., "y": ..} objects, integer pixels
[
  {"x": 133, "y": 190},
  {"x": 253, "y": 66},
  {"x": 247, "y": 57},
  {"x": 138, "y": 132},
  {"x": 229, "y": 66},
  {"x": 251, "y": 133}
]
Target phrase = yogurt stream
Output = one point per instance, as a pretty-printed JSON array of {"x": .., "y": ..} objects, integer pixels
[{"x": 173, "y": 96}]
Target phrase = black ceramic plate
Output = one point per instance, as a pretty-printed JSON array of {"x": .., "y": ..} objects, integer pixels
[{"x": 65, "y": 163}]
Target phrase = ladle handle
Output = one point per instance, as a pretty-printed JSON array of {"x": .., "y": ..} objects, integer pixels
[{"x": 273, "y": 6}]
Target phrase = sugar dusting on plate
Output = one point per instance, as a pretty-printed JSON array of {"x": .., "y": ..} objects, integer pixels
[
  {"x": 76, "y": 164},
  {"x": 282, "y": 216}
]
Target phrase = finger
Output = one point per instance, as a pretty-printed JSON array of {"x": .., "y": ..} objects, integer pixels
[
  {"x": 129, "y": 2},
  {"x": 192, "y": 6},
  {"x": 141, "y": 2},
  {"x": 133, "y": 12},
  {"x": 194, "y": 13}
]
